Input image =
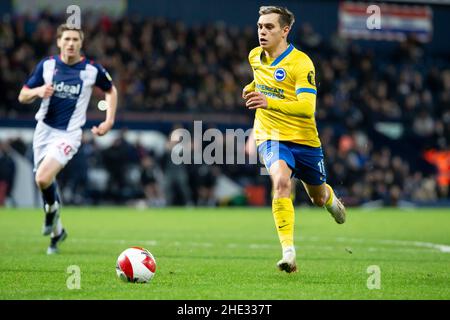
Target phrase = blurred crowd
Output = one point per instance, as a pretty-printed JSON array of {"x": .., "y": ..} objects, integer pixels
[
  {"x": 126, "y": 172},
  {"x": 383, "y": 116},
  {"x": 157, "y": 65}
]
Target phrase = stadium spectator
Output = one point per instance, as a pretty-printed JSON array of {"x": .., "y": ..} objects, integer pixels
[
  {"x": 7, "y": 171},
  {"x": 117, "y": 159},
  {"x": 441, "y": 159},
  {"x": 177, "y": 188},
  {"x": 152, "y": 180}
]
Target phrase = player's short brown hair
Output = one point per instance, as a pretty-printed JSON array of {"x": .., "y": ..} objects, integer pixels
[
  {"x": 286, "y": 17},
  {"x": 65, "y": 27}
]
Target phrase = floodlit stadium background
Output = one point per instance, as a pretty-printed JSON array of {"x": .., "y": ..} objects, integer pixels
[{"x": 383, "y": 107}]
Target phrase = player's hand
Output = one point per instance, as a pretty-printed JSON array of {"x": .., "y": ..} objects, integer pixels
[
  {"x": 255, "y": 100},
  {"x": 45, "y": 91},
  {"x": 244, "y": 94},
  {"x": 102, "y": 128}
]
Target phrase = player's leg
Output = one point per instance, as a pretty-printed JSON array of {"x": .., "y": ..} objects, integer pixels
[
  {"x": 323, "y": 196},
  {"x": 283, "y": 213},
  {"x": 45, "y": 180},
  {"x": 46, "y": 168},
  {"x": 311, "y": 171},
  {"x": 55, "y": 155},
  {"x": 279, "y": 160}
]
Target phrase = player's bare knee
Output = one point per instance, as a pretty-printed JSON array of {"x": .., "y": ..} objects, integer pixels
[
  {"x": 43, "y": 181},
  {"x": 282, "y": 185}
]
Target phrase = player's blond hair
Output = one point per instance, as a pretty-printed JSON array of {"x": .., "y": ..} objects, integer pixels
[
  {"x": 65, "y": 27},
  {"x": 286, "y": 17}
]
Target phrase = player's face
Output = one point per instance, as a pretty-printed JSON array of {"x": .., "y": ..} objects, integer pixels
[
  {"x": 70, "y": 44},
  {"x": 270, "y": 33}
]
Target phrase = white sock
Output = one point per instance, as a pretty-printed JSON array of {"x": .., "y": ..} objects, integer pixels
[
  {"x": 51, "y": 208},
  {"x": 288, "y": 251}
]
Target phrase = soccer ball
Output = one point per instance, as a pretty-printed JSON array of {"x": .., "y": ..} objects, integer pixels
[{"x": 136, "y": 264}]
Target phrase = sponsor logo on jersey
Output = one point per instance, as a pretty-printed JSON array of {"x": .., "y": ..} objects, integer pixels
[
  {"x": 66, "y": 91},
  {"x": 270, "y": 92}
]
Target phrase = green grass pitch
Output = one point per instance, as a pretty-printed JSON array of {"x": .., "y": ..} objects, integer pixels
[{"x": 229, "y": 253}]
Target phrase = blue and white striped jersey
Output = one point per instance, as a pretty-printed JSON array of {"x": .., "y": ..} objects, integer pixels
[{"x": 73, "y": 85}]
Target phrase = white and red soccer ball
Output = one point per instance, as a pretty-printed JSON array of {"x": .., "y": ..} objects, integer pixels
[{"x": 136, "y": 264}]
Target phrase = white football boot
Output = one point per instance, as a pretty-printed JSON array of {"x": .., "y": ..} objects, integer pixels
[
  {"x": 287, "y": 263},
  {"x": 54, "y": 241},
  {"x": 337, "y": 210}
]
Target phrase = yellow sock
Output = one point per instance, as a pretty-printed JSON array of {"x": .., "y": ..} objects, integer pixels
[
  {"x": 330, "y": 199},
  {"x": 283, "y": 214}
]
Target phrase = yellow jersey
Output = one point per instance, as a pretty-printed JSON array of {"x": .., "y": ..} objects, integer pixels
[{"x": 288, "y": 82}]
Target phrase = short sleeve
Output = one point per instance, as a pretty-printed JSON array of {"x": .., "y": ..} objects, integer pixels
[
  {"x": 104, "y": 80},
  {"x": 305, "y": 76},
  {"x": 37, "y": 77}
]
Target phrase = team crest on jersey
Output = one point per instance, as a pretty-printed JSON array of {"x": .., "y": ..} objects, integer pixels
[{"x": 279, "y": 74}]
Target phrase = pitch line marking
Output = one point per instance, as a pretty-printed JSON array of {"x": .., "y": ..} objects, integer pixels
[{"x": 405, "y": 243}]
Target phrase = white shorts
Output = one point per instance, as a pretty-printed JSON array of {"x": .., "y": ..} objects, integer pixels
[{"x": 61, "y": 145}]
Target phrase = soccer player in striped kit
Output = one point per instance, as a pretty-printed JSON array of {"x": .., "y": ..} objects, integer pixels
[{"x": 64, "y": 82}]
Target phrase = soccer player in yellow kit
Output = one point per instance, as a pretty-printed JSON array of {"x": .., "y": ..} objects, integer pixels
[{"x": 283, "y": 93}]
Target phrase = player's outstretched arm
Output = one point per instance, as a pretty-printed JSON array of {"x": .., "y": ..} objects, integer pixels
[
  {"x": 28, "y": 95},
  {"x": 105, "y": 126}
]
